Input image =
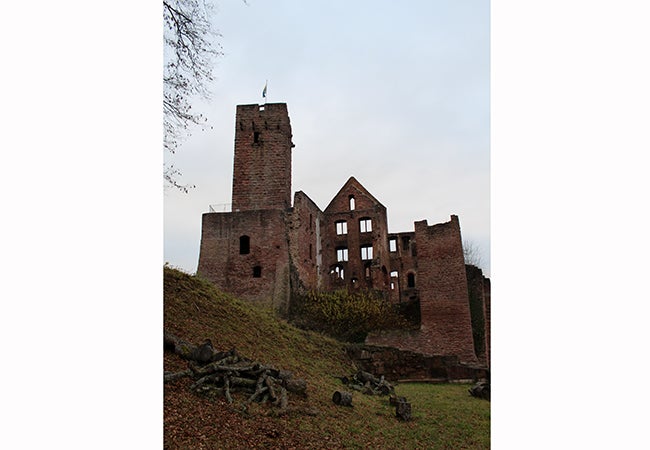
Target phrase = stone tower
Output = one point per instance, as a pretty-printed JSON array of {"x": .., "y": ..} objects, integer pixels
[{"x": 262, "y": 167}]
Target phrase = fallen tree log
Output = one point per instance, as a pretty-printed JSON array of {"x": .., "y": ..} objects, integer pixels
[
  {"x": 342, "y": 398},
  {"x": 403, "y": 411},
  {"x": 171, "y": 376},
  {"x": 297, "y": 386},
  {"x": 367, "y": 383}
]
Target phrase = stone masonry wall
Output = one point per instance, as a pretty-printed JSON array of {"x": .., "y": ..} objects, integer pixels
[
  {"x": 262, "y": 165},
  {"x": 305, "y": 242},
  {"x": 365, "y": 207},
  {"x": 262, "y": 274},
  {"x": 475, "y": 284},
  {"x": 446, "y": 327}
]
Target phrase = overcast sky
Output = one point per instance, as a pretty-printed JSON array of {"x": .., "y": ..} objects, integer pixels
[
  {"x": 396, "y": 95},
  {"x": 82, "y": 200}
]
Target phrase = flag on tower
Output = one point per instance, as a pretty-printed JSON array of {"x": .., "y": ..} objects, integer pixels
[{"x": 264, "y": 91}]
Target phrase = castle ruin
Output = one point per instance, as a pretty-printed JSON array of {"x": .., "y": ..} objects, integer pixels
[{"x": 266, "y": 248}]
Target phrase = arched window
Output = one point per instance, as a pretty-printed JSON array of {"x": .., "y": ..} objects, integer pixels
[
  {"x": 352, "y": 205},
  {"x": 244, "y": 245},
  {"x": 410, "y": 280},
  {"x": 337, "y": 272}
]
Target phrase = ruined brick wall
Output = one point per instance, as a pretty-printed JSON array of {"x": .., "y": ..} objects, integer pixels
[
  {"x": 262, "y": 164},
  {"x": 441, "y": 282},
  {"x": 487, "y": 288},
  {"x": 247, "y": 254},
  {"x": 367, "y": 213},
  {"x": 395, "y": 364},
  {"x": 476, "y": 291},
  {"x": 305, "y": 243},
  {"x": 404, "y": 262}
]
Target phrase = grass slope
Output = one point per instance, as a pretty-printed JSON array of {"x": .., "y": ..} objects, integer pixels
[{"x": 444, "y": 416}]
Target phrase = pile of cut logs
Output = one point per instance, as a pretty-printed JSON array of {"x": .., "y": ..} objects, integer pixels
[
  {"x": 222, "y": 373},
  {"x": 368, "y": 384}
]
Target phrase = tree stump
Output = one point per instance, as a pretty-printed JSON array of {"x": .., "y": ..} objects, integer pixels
[
  {"x": 342, "y": 398},
  {"x": 403, "y": 411}
]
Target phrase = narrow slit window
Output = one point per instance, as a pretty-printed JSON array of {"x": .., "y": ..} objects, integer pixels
[
  {"x": 256, "y": 137},
  {"x": 341, "y": 227},
  {"x": 352, "y": 203},
  {"x": 392, "y": 245},
  {"x": 244, "y": 245},
  {"x": 365, "y": 225}
]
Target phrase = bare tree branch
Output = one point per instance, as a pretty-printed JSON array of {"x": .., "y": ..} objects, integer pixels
[{"x": 189, "y": 51}]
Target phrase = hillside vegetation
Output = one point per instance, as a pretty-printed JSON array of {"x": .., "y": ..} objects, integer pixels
[{"x": 444, "y": 416}]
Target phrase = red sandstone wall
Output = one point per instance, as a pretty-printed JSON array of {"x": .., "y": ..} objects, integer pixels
[
  {"x": 476, "y": 287},
  {"x": 262, "y": 169},
  {"x": 220, "y": 260},
  {"x": 305, "y": 241},
  {"x": 487, "y": 287},
  {"x": 404, "y": 261},
  {"x": 366, "y": 206},
  {"x": 442, "y": 286}
]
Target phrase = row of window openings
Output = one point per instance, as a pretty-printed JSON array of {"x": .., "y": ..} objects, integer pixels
[
  {"x": 406, "y": 244},
  {"x": 342, "y": 253},
  {"x": 365, "y": 226},
  {"x": 339, "y": 271}
]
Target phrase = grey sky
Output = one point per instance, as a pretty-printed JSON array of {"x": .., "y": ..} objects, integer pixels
[{"x": 396, "y": 95}]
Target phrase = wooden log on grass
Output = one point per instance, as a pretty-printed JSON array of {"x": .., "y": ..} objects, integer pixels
[
  {"x": 394, "y": 400},
  {"x": 297, "y": 386},
  {"x": 403, "y": 411},
  {"x": 342, "y": 398}
]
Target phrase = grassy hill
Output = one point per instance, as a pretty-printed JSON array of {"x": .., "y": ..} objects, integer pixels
[{"x": 444, "y": 416}]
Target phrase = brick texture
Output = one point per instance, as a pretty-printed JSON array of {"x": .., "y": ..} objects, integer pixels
[{"x": 266, "y": 248}]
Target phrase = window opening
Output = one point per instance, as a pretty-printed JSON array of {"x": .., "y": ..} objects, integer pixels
[
  {"x": 342, "y": 254},
  {"x": 410, "y": 280},
  {"x": 338, "y": 271},
  {"x": 406, "y": 240},
  {"x": 352, "y": 205},
  {"x": 392, "y": 245},
  {"x": 244, "y": 245},
  {"x": 367, "y": 271},
  {"x": 257, "y": 272},
  {"x": 341, "y": 227},
  {"x": 394, "y": 274},
  {"x": 365, "y": 225},
  {"x": 256, "y": 137},
  {"x": 366, "y": 252}
]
